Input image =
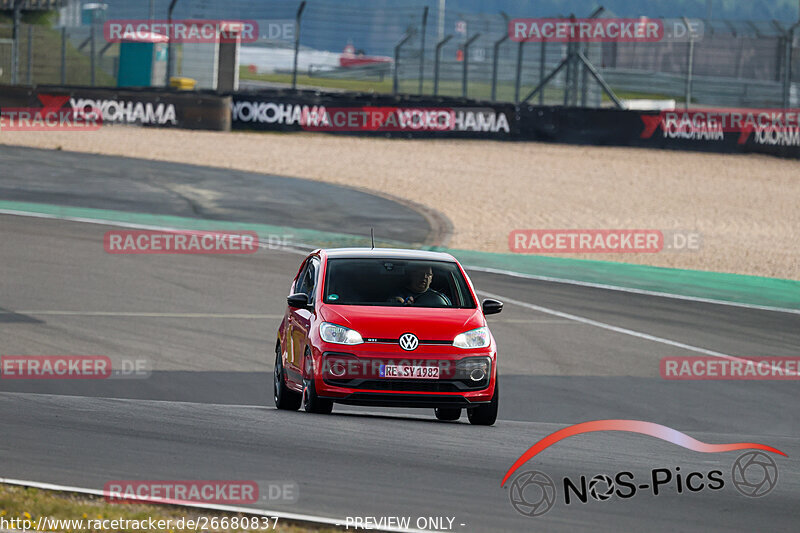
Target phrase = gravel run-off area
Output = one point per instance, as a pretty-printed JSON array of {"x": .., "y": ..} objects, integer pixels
[{"x": 745, "y": 207}]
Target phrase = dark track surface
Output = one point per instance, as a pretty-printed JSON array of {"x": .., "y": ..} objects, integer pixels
[
  {"x": 136, "y": 185},
  {"x": 207, "y": 325}
]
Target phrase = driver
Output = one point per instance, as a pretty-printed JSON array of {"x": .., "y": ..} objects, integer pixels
[{"x": 417, "y": 289}]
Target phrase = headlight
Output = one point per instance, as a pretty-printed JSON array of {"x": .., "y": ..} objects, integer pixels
[
  {"x": 476, "y": 338},
  {"x": 339, "y": 334}
]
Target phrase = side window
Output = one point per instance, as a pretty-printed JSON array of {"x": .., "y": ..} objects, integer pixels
[
  {"x": 308, "y": 279},
  {"x": 301, "y": 276}
]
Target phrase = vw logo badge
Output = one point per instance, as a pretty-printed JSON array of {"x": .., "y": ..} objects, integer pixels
[{"x": 409, "y": 341}]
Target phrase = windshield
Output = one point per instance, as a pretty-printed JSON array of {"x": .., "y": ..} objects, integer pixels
[{"x": 393, "y": 282}]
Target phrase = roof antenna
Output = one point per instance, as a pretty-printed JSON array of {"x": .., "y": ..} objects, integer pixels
[{"x": 372, "y": 234}]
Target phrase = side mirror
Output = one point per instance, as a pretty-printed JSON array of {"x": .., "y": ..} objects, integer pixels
[
  {"x": 298, "y": 300},
  {"x": 492, "y": 307}
]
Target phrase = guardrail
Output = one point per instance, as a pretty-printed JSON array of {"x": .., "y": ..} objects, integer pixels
[
  {"x": 411, "y": 117},
  {"x": 31, "y": 5},
  {"x": 159, "y": 108},
  {"x": 427, "y": 117},
  {"x": 706, "y": 90}
]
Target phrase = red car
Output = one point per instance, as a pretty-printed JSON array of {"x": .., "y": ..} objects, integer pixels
[{"x": 389, "y": 328}]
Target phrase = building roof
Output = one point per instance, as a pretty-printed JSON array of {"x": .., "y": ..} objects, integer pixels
[{"x": 34, "y": 5}]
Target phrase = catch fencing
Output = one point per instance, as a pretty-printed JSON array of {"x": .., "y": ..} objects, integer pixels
[{"x": 431, "y": 48}]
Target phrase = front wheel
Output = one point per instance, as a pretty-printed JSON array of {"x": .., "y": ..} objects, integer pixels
[
  {"x": 485, "y": 415},
  {"x": 311, "y": 402},
  {"x": 285, "y": 398}
]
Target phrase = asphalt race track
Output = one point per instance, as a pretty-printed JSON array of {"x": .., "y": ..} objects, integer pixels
[
  {"x": 160, "y": 188},
  {"x": 206, "y": 325}
]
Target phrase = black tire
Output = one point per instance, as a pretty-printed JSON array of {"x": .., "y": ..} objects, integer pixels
[
  {"x": 285, "y": 398},
  {"x": 447, "y": 414},
  {"x": 485, "y": 415},
  {"x": 311, "y": 402}
]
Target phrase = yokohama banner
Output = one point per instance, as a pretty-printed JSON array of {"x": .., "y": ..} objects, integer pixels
[
  {"x": 140, "y": 107},
  {"x": 382, "y": 116},
  {"x": 774, "y": 132},
  {"x": 766, "y": 131}
]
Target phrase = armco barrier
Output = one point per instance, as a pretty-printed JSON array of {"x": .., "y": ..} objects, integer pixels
[
  {"x": 145, "y": 107},
  {"x": 411, "y": 116},
  {"x": 650, "y": 129},
  {"x": 279, "y": 110}
]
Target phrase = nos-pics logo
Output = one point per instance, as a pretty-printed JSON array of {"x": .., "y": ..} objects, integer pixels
[{"x": 533, "y": 492}]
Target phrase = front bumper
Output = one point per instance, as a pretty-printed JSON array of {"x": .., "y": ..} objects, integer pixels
[
  {"x": 454, "y": 387},
  {"x": 376, "y": 399}
]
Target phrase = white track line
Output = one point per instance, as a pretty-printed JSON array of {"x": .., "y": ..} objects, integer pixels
[
  {"x": 624, "y": 331},
  {"x": 294, "y": 247},
  {"x": 303, "y": 249},
  {"x": 137, "y": 314},
  {"x": 138, "y": 400},
  {"x": 214, "y": 507},
  {"x": 631, "y": 290},
  {"x": 609, "y": 327}
]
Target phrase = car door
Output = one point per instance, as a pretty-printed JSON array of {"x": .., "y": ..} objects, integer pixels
[{"x": 300, "y": 319}]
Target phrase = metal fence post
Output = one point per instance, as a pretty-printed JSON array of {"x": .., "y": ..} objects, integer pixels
[
  {"x": 690, "y": 64},
  {"x": 690, "y": 68},
  {"x": 495, "y": 59},
  {"x": 496, "y": 55},
  {"x": 542, "y": 61},
  {"x": 15, "y": 43},
  {"x": 466, "y": 64},
  {"x": 568, "y": 72},
  {"x": 518, "y": 78},
  {"x": 170, "y": 61},
  {"x": 297, "y": 42},
  {"x": 439, "y": 46},
  {"x": 584, "y": 78},
  {"x": 787, "y": 79},
  {"x": 422, "y": 49},
  {"x": 586, "y": 52},
  {"x": 92, "y": 53},
  {"x": 575, "y": 58},
  {"x": 30, "y": 54},
  {"x": 570, "y": 81},
  {"x": 779, "y": 51},
  {"x": 63, "y": 55},
  {"x": 395, "y": 81}
]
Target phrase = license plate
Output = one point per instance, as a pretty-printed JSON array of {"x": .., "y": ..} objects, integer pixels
[{"x": 409, "y": 372}]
